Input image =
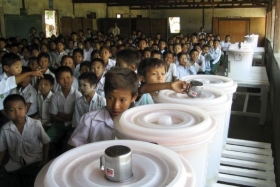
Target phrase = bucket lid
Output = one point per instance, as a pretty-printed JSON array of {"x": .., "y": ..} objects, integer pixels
[
  {"x": 152, "y": 165},
  {"x": 186, "y": 124},
  {"x": 226, "y": 84},
  {"x": 252, "y": 35},
  {"x": 245, "y": 48}
]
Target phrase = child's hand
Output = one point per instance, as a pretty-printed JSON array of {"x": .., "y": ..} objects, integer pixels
[
  {"x": 179, "y": 86},
  {"x": 38, "y": 73}
]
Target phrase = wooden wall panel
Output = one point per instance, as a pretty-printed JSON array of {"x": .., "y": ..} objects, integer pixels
[
  {"x": 77, "y": 24},
  {"x": 144, "y": 25},
  {"x": 87, "y": 23},
  {"x": 215, "y": 25},
  {"x": 159, "y": 26},
  {"x": 66, "y": 26},
  {"x": 257, "y": 26}
]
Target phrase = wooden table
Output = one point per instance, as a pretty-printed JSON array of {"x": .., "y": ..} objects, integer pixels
[{"x": 257, "y": 79}]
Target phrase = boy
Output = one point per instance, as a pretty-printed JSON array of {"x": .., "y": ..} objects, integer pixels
[
  {"x": 207, "y": 57},
  {"x": 171, "y": 70},
  {"x": 62, "y": 106},
  {"x": 25, "y": 56},
  {"x": 105, "y": 55},
  {"x": 184, "y": 68},
  {"x": 29, "y": 93},
  {"x": 98, "y": 67},
  {"x": 156, "y": 54},
  {"x": 90, "y": 100},
  {"x": 162, "y": 46},
  {"x": 78, "y": 56},
  {"x": 121, "y": 86},
  {"x": 45, "y": 85},
  {"x": 22, "y": 137},
  {"x": 57, "y": 55},
  {"x": 128, "y": 58},
  {"x": 177, "y": 49},
  {"x": 215, "y": 53}
]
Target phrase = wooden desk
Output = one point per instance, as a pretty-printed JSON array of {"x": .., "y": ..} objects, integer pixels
[{"x": 257, "y": 79}]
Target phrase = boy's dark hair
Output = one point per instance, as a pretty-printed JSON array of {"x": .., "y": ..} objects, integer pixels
[
  {"x": 142, "y": 39},
  {"x": 78, "y": 50},
  {"x": 181, "y": 54},
  {"x": 162, "y": 40},
  {"x": 94, "y": 52},
  {"x": 9, "y": 58},
  {"x": 43, "y": 55},
  {"x": 148, "y": 63},
  {"x": 3, "y": 40},
  {"x": 24, "y": 48},
  {"x": 47, "y": 77},
  {"x": 197, "y": 44},
  {"x": 193, "y": 50},
  {"x": 11, "y": 98},
  {"x": 216, "y": 40},
  {"x": 85, "y": 63},
  {"x": 26, "y": 69},
  {"x": 61, "y": 69},
  {"x": 90, "y": 77},
  {"x": 156, "y": 52},
  {"x": 166, "y": 53},
  {"x": 72, "y": 33},
  {"x": 33, "y": 58},
  {"x": 205, "y": 45},
  {"x": 106, "y": 48},
  {"x": 66, "y": 56},
  {"x": 121, "y": 78},
  {"x": 98, "y": 60},
  {"x": 130, "y": 56}
]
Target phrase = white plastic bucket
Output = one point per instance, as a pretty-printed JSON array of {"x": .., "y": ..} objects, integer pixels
[
  {"x": 187, "y": 130},
  {"x": 240, "y": 61},
  {"x": 252, "y": 39},
  {"x": 152, "y": 165},
  {"x": 216, "y": 103},
  {"x": 223, "y": 83}
]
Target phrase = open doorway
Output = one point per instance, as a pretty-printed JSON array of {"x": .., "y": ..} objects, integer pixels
[{"x": 51, "y": 26}]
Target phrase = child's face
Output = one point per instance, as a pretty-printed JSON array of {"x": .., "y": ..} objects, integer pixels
[
  {"x": 168, "y": 59},
  {"x": 205, "y": 50},
  {"x": 14, "y": 50},
  {"x": 142, "y": 45},
  {"x": 155, "y": 75},
  {"x": 44, "y": 87},
  {"x": 183, "y": 60},
  {"x": 14, "y": 69},
  {"x": 65, "y": 80},
  {"x": 80, "y": 45},
  {"x": 185, "y": 48},
  {"x": 177, "y": 49},
  {"x": 170, "y": 48},
  {"x": 147, "y": 54},
  {"x": 68, "y": 62},
  {"x": 97, "y": 46},
  {"x": 158, "y": 56},
  {"x": 211, "y": 43},
  {"x": 97, "y": 68},
  {"x": 85, "y": 87},
  {"x": 84, "y": 69},
  {"x": 88, "y": 45},
  {"x": 44, "y": 49},
  {"x": 198, "y": 48},
  {"x": 26, "y": 53},
  {"x": 162, "y": 45},
  {"x": 16, "y": 111},
  {"x": 60, "y": 47},
  {"x": 95, "y": 55},
  {"x": 118, "y": 101},
  {"x": 44, "y": 63},
  {"x": 227, "y": 39},
  {"x": 2, "y": 44},
  {"x": 53, "y": 46},
  {"x": 35, "y": 53},
  {"x": 33, "y": 64},
  {"x": 104, "y": 55},
  {"x": 216, "y": 44},
  {"x": 194, "y": 56},
  {"x": 154, "y": 47},
  {"x": 78, "y": 58}
]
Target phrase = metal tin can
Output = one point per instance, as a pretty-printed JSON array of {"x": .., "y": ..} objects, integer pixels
[{"x": 195, "y": 89}]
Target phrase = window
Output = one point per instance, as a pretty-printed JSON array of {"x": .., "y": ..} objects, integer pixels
[
  {"x": 174, "y": 23},
  {"x": 119, "y": 15}
]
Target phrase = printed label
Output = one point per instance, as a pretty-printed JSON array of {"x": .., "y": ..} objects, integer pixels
[
  {"x": 192, "y": 93},
  {"x": 109, "y": 172}
]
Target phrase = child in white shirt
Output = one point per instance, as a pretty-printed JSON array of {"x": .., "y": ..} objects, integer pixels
[
  {"x": 185, "y": 67},
  {"x": 171, "y": 70}
]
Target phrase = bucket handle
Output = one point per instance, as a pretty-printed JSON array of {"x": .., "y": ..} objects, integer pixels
[
  {"x": 102, "y": 160},
  {"x": 237, "y": 57}
]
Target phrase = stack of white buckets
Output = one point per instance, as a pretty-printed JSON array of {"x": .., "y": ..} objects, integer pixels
[{"x": 183, "y": 127}]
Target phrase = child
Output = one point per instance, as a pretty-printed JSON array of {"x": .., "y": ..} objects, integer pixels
[
  {"x": 58, "y": 55},
  {"x": 177, "y": 49},
  {"x": 215, "y": 53},
  {"x": 90, "y": 100},
  {"x": 70, "y": 48},
  {"x": 194, "y": 59},
  {"x": 45, "y": 85},
  {"x": 105, "y": 55},
  {"x": 207, "y": 57},
  {"x": 171, "y": 70},
  {"x": 94, "y": 54},
  {"x": 146, "y": 53},
  {"x": 87, "y": 51},
  {"x": 33, "y": 63},
  {"x": 224, "y": 47},
  {"x": 35, "y": 51},
  {"x": 162, "y": 46},
  {"x": 29, "y": 93},
  {"x": 98, "y": 67},
  {"x": 121, "y": 86},
  {"x": 184, "y": 68},
  {"x": 25, "y": 56},
  {"x": 185, "y": 48},
  {"x": 78, "y": 56},
  {"x": 156, "y": 54},
  {"x": 128, "y": 58},
  {"x": 25, "y": 140},
  {"x": 62, "y": 107},
  {"x": 142, "y": 44},
  {"x": 84, "y": 67},
  {"x": 200, "y": 59},
  {"x": 2, "y": 53}
]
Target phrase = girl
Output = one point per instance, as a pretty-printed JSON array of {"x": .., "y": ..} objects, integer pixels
[{"x": 98, "y": 67}]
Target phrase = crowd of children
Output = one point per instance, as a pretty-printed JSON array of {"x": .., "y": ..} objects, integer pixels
[{"x": 67, "y": 90}]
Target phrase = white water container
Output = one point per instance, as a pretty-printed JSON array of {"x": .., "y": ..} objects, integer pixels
[
  {"x": 216, "y": 103},
  {"x": 152, "y": 165},
  {"x": 223, "y": 83},
  {"x": 252, "y": 39},
  {"x": 190, "y": 132},
  {"x": 240, "y": 59}
]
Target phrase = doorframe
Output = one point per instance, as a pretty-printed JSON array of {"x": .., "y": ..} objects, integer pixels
[{"x": 57, "y": 21}]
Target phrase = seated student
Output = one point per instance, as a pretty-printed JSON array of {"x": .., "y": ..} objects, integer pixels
[
  {"x": 215, "y": 53},
  {"x": 171, "y": 70},
  {"x": 58, "y": 54},
  {"x": 25, "y": 56},
  {"x": 146, "y": 53},
  {"x": 62, "y": 107},
  {"x": 154, "y": 46},
  {"x": 177, "y": 49},
  {"x": 98, "y": 67},
  {"x": 121, "y": 85},
  {"x": 33, "y": 63},
  {"x": 200, "y": 59},
  {"x": 84, "y": 67},
  {"x": 90, "y": 100},
  {"x": 35, "y": 51},
  {"x": 87, "y": 51},
  {"x": 185, "y": 67},
  {"x": 128, "y": 58},
  {"x": 94, "y": 54},
  {"x": 45, "y": 85},
  {"x": 224, "y": 47},
  {"x": 29, "y": 93},
  {"x": 194, "y": 59},
  {"x": 156, "y": 54},
  {"x": 142, "y": 44},
  {"x": 162, "y": 46},
  {"x": 78, "y": 56},
  {"x": 105, "y": 55},
  {"x": 25, "y": 141},
  {"x": 205, "y": 53}
]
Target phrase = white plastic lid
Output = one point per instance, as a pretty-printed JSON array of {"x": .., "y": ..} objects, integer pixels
[
  {"x": 245, "y": 48},
  {"x": 190, "y": 125},
  {"x": 226, "y": 84},
  {"x": 252, "y": 35},
  {"x": 152, "y": 165}
]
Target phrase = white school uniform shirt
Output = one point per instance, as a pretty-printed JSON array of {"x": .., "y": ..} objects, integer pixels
[
  {"x": 75, "y": 84},
  {"x": 184, "y": 71},
  {"x": 6, "y": 85},
  {"x": 77, "y": 71},
  {"x": 27, "y": 145},
  {"x": 225, "y": 45},
  {"x": 94, "y": 126},
  {"x": 111, "y": 63},
  {"x": 215, "y": 54},
  {"x": 200, "y": 68},
  {"x": 66, "y": 105},
  {"x": 24, "y": 62},
  {"x": 87, "y": 54},
  {"x": 172, "y": 72},
  {"x": 30, "y": 95},
  {"x": 82, "y": 107},
  {"x": 207, "y": 58},
  {"x": 100, "y": 86},
  {"x": 43, "y": 107}
]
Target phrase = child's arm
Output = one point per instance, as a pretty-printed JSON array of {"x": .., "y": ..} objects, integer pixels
[
  {"x": 45, "y": 154},
  {"x": 23, "y": 76},
  {"x": 177, "y": 86}
]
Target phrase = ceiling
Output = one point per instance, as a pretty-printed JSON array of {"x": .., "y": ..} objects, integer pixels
[{"x": 181, "y": 4}]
